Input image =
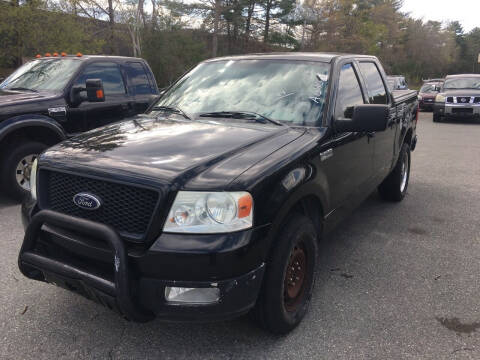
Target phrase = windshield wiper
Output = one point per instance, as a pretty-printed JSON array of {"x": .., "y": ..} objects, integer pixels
[
  {"x": 173, "y": 109},
  {"x": 246, "y": 115},
  {"x": 21, "y": 89}
]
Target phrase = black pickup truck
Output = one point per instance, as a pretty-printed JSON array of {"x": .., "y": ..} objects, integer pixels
[
  {"x": 46, "y": 101},
  {"x": 212, "y": 203}
]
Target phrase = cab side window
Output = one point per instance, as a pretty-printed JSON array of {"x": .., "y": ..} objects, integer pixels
[
  {"x": 377, "y": 93},
  {"x": 138, "y": 78},
  {"x": 349, "y": 93},
  {"x": 110, "y": 75}
]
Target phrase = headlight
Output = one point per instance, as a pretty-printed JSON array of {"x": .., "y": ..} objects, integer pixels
[
  {"x": 33, "y": 179},
  {"x": 419, "y": 97},
  {"x": 210, "y": 212},
  {"x": 440, "y": 98}
]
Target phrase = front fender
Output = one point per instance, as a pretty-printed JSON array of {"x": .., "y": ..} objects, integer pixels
[
  {"x": 314, "y": 187},
  {"x": 274, "y": 202},
  {"x": 23, "y": 121}
]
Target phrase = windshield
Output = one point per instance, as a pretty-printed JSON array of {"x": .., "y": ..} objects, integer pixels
[
  {"x": 429, "y": 88},
  {"x": 49, "y": 74},
  {"x": 463, "y": 83},
  {"x": 291, "y": 92}
]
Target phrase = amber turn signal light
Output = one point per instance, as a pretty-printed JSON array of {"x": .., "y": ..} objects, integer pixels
[
  {"x": 245, "y": 206},
  {"x": 99, "y": 94}
]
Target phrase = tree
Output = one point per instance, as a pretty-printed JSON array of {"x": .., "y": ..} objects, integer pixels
[{"x": 35, "y": 27}]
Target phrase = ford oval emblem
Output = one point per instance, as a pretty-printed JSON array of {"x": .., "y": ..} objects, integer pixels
[{"x": 87, "y": 201}]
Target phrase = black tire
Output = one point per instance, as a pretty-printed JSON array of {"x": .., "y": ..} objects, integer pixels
[
  {"x": 8, "y": 178},
  {"x": 437, "y": 118},
  {"x": 395, "y": 186},
  {"x": 278, "y": 309}
]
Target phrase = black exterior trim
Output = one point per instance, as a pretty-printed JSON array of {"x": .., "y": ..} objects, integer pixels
[{"x": 29, "y": 262}]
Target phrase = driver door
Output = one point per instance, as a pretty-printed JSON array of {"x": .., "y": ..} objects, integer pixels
[
  {"x": 350, "y": 168},
  {"x": 118, "y": 103}
]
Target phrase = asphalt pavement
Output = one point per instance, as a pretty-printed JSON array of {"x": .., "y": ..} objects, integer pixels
[{"x": 397, "y": 281}]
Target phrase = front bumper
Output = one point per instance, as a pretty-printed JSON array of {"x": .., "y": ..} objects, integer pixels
[
  {"x": 426, "y": 104},
  {"x": 90, "y": 259},
  {"x": 458, "y": 111}
]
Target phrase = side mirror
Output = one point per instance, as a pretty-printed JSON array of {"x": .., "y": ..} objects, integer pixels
[
  {"x": 94, "y": 92},
  {"x": 94, "y": 89},
  {"x": 366, "y": 118}
]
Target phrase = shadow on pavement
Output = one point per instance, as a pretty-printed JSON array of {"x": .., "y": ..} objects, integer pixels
[{"x": 6, "y": 201}]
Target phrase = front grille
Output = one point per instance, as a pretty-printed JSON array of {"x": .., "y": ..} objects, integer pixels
[
  {"x": 463, "y": 100},
  {"x": 476, "y": 100},
  {"x": 128, "y": 209},
  {"x": 450, "y": 99}
]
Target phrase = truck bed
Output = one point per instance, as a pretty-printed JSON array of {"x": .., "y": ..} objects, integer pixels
[{"x": 400, "y": 96}]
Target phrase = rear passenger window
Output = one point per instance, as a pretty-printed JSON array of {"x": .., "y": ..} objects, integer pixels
[
  {"x": 349, "y": 93},
  {"x": 139, "y": 78},
  {"x": 108, "y": 72},
  {"x": 375, "y": 87}
]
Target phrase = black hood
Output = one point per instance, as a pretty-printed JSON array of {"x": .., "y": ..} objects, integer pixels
[
  {"x": 461, "y": 92},
  {"x": 8, "y": 97},
  {"x": 171, "y": 150},
  {"x": 27, "y": 102}
]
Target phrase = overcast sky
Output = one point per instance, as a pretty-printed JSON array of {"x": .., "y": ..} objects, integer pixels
[{"x": 465, "y": 11}]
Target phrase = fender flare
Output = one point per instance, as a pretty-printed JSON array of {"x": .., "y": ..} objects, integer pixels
[
  {"x": 22, "y": 121},
  {"x": 317, "y": 188}
]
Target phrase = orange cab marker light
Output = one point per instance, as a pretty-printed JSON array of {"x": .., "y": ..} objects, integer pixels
[
  {"x": 38, "y": 56},
  {"x": 48, "y": 54},
  {"x": 55, "y": 54},
  {"x": 63, "y": 53},
  {"x": 245, "y": 206},
  {"x": 99, "y": 94},
  {"x": 79, "y": 54}
]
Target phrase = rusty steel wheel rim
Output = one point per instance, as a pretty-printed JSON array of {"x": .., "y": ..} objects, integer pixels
[{"x": 295, "y": 277}]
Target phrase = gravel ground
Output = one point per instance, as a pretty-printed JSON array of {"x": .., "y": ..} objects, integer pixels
[{"x": 397, "y": 281}]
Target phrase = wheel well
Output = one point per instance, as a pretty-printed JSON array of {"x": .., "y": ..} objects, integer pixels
[
  {"x": 311, "y": 207},
  {"x": 31, "y": 133},
  {"x": 408, "y": 137}
]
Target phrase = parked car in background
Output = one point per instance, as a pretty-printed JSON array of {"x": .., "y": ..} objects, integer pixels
[
  {"x": 427, "y": 94},
  {"x": 459, "y": 98},
  {"x": 212, "y": 203},
  {"x": 397, "y": 82},
  {"x": 52, "y": 98}
]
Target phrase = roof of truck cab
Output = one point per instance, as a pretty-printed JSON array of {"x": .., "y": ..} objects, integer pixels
[
  {"x": 462, "y": 76},
  {"x": 312, "y": 56},
  {"x": 87, "y": 57}
]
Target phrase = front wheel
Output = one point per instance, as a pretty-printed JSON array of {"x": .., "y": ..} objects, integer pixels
[
  {"x": 16, "y": 168},
  {"x": 288, "y": 283},
  {"x": 437, "y": 118},
  {"x": 395, "y": 186}
]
